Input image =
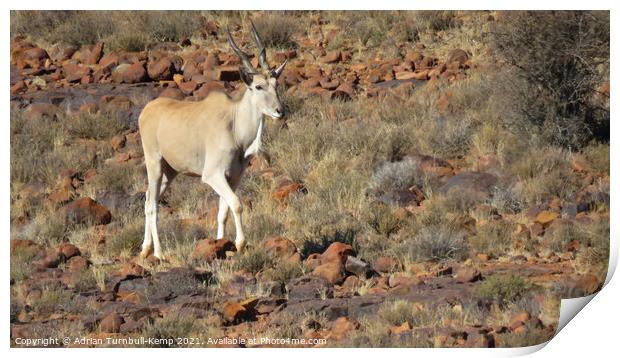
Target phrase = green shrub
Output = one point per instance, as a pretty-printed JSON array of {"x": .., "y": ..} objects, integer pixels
[{"x": 505, "y": 289}]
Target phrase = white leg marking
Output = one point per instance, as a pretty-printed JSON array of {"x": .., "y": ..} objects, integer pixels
[{"x": 219, "y": 183}]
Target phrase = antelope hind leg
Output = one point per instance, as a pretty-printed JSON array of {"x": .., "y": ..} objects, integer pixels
[{"x": 222, "y": 217}]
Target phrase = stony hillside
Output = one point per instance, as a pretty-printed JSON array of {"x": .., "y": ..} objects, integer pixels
[{"x": 405, "y": 200}]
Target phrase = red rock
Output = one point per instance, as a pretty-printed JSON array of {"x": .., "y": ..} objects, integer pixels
[
  {"x": 314, "y": 72},
  {"x": 67, "y": 251},
  {"x": 329, "y": 85},
  {"x": 37, "y": 111},
  {"x": 131, "y": 269},
  {"x": 115, "y": 103},
  {"x": 351, "y": 282},
  {"x": 207, "y": 88},
  {"x": 160, "y": 70},
  {"x": 588, "y": 283},
  {"x": 545, "y": 218},
  {"x": 200, "y": 79},
  {"x": 74, "y": 72},
  {"x": 405, "y": 75},
  {"x": 312, "y": 261},
  {"x": 281, "y": 56},
  {"x": 211, "y": 28},
  {"x": 385, "y": 264},
  {"x": 118, "y": 142},
  {"x": 110, "y": 60},
  {"x": 36, "y": 54},
  {"x": 190, "y": 69},
  {"x": 88, "y": 79},
  {"x": 86, "y": 210},
  {"x": 519, "y": 319},
  {"x": 233, "y": 312},
  {"x": 278, "y": 246},
  {"x": 457, "y": 55},
  {"x": 111, "y": 323},
  {"x": 51, "y": 260},
  {"x": 310, "y": 83},
  {"x": 403, "y": 328},
  {"x": 483, "y": 257},
  {"x": 332, "y": 271},
  {"x": 173, "y": 93},
  {"x": 337, "y": 252},
  {"x": 332, "y": 57},
  {"x": 421, "y": 75},
  {"x": 404, "y": 281},
  {"x": 467, "y": 274},
  {"x": 18, "y": 87},
  {"x": 77, "y": 264},
  {"x": 126, "y": 73},
  {"x": 284, "y": 192},
  {"x": 18, "y": 246},
  {"x": 210, "y": 250},
  {"x": 347, "y": 87},
  {"x": 342, "y": 326},
  {"x": 61, "y": 196},
  {"x": 95, "y": 54},
  {"x": 188, "y": 87},
  {"x": 425, "y": 63}
]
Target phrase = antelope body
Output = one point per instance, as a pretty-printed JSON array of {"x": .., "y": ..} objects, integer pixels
[{"x": 213, "y": 139}]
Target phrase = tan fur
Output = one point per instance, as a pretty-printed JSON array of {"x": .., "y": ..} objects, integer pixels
[{"x": 213, "y": 139}]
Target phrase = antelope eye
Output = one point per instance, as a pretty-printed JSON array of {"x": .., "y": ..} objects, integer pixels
[{"x": 259, "y": 87}]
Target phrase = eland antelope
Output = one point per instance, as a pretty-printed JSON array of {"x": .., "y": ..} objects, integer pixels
[{"x": 213, "y": 139}]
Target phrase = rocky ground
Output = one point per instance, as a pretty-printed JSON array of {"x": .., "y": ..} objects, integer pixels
[{"x": 448, "y": 257}]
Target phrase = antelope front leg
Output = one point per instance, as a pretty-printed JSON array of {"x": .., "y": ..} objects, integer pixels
[
  {"x": 219, "y": 183},
  {"x": 222, "y": 216},
  {"x": 151, "y": 239},
  {"x": 147, "y": 244}
]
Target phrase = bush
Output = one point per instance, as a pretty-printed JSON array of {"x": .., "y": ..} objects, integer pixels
[
  {"x": 505, "y": 289},
  {"x": 382, "y": 220},
  {"x": 598, "y": 157},
  {"x": 562, "y": 57},
  {"x": 397, "y": 176},
  {"x": 277, "y": 28},
  {"x": 127, "y": 241},
  {"x": 438, "y": 243},
  {"x": 435, "y": 20},
  {"x": 493, "y": 238},
  {"x": 253, "y": 260}
]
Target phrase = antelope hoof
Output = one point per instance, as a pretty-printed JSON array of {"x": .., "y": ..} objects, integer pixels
[
  {"x": 146, "y": 252},
  {"x": 161, "y": 257},
  {"x": 240, "y": 245}
]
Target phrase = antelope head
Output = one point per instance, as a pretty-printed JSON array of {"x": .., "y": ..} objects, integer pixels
[{"x": 261, "y": 83}]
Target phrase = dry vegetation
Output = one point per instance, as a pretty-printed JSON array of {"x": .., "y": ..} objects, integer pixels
[{"x": 547, "y": 147}]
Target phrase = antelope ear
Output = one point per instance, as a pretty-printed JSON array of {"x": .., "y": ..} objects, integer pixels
[{"x": 246, "y": 77}]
